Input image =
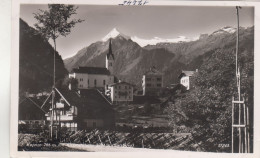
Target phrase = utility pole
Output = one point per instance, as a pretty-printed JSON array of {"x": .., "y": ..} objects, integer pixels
[{"x": 240, "y": 114}]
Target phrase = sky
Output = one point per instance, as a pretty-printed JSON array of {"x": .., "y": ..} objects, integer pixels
[{"x": 145, "y": 22}]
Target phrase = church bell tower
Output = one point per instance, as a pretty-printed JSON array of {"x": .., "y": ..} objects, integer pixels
[{"x": 110, "y": 59}]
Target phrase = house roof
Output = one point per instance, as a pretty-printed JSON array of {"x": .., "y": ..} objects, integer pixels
[
  {"x": 186, "y": 73},
  {"x": 92, "y": 70},
  {"x": 153, "y": 71},
  {"x": 90, "y": 102},
  {"x": 120, "y": 83}
]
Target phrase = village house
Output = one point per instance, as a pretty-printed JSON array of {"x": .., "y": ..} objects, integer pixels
[
  {"x": 83, "y": 109},
  {"x": 30, "y": 111},
  {"x": 120, "y": 92},
  {"x": 152, "y": 81},
  {"x": 185, "y": 78},
  {"x": 95, "y": 77}
]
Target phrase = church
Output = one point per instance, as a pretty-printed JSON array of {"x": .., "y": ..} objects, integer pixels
[{"x": 95, "y": 77}]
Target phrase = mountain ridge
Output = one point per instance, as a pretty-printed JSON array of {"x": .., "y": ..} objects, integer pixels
[{"x": 132, "y": 60}]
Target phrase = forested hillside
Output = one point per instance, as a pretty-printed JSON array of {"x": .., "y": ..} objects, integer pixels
[
  {"x": 206, "y": 108},
  {"x": 36, "y": 61}
]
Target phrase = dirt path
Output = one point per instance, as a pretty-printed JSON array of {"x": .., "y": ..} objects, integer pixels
[{"x": 103, "y": 148}]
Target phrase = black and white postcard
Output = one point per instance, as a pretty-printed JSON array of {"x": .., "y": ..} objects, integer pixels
[{"x": 145, "y": 77}]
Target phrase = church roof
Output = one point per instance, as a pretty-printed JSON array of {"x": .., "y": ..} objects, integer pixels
[{"x": 92, "y": 70}]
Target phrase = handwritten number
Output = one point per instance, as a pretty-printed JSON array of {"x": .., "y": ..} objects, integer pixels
[{"x": 134, "y": 2}]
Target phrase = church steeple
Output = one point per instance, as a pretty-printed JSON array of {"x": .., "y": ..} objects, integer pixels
[
  {"x": 110, "y": 58},
  {"x": 110, "y": 53}
]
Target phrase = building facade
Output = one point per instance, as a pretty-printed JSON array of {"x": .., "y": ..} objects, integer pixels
[
  {"x": 185, "y": 78},
  {"x": 152, "y": 81},
  {"x": 92, "y": 77},
  {"x": 120, "y": 92}
]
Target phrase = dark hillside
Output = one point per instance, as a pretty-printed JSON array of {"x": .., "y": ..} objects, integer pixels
[{"x": 36, "y": 61}]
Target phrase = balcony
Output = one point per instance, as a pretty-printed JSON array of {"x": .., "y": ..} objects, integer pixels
[{"x": 68, "y": 117}]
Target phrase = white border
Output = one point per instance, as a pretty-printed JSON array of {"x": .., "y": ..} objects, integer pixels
[{"x": 153, "y": 153}]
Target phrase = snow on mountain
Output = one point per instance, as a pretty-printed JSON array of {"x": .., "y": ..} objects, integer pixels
[
  {"x": 144, "y": 42},
  {"x": 226, "y": 29},
  {"x": 112, "y": 34},
  {"x": 229, "y": 29},
  {"x": 155, "y": 40}
]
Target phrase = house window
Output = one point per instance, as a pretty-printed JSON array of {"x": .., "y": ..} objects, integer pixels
[
  {"x": 159, "y": 79},
  {"x": 159, "y": 85},
  {"x": 148, "y": 85},
  {"x": 95, "y": 82},
  {"x": 148, "y": 79},
  {"x": 94, "y": 124},
  {"x": 110, "y": 64},
  {"x": 115, "y": 91},
  {"x": 104, "y": 82},
  {"x": 125, "y": 87},
  {"x": 119, "y": 87},
  {"x": 115, "y": 87}
]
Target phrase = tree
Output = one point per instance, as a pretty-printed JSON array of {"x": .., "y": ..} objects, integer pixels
[
  {"x": 56, "y": 22},
  {"x": 53, "y": 23}
]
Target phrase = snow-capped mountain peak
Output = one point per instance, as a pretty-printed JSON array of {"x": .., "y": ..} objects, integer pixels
[{"x": 112, "y": 34}]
